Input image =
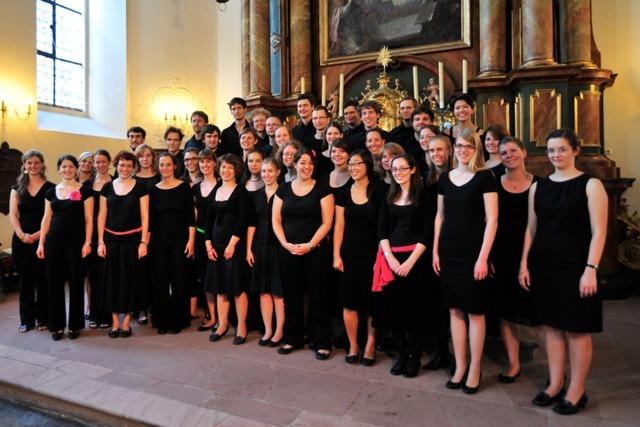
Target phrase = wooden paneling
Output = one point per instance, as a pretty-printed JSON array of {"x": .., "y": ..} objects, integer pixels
[
  {"x": 586, "y": 116},
  {"x": 496, "y": 111},
  {"x": 544, "y": 115}
]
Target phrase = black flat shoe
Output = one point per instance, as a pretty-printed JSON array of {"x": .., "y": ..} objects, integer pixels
[
  {"x": 238, "y": 340},
  {"x": 399, "y": 365},
  {"x": 162, "y": 331},
  {"x": 264, "y": 342},
  {"x": 203, "y": 328},
  {"x": 216, "y": 336},
  {"x": 365, "y": 361},
  {"x": 126, "y": 333},
  {"x": 321, "y": 355},
  {"x": 564, "y": 407},
  {"x": 274, "y": 344},
  {"x": 57, "y": 336},
  {"x": 471, "y": 390},
  {"x": 440, "y": 360},
  {"x": 351, "y": 358},
  {"x": 506, "y": 379},
  {"x": 114, "y": 333},
  {"x": 412, "y": 366},
  {"x": 74, "y": 334},
  {"x": 543, "y": 399},
  {"x": 287, "y": 349}
]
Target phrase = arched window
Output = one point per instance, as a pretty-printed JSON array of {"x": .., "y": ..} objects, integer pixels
[{"x": 61, "y": 53}]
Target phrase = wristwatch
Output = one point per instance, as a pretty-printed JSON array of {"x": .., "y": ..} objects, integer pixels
[{"x": 596, "y": 267}]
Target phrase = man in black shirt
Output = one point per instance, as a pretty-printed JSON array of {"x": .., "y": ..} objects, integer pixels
[
  {"x": 272, "y": 124},
  {"x": 320, "y": 120},
  {"x": 136, "y": 136},
  {"x": 199, "y": 120},
  {"x": 304, "y": 132},
  {"x": 352, "y": 117},
  {"x": 231, "y": 136},
  {"x": 259, "y": 124},
  {"x": 173, "y": 138},
  {"x": 212, "y": 139},
  {"x": 370, "y": 111},
  {"x": 419, "y": 119},
  {"x": 404, "y": 130}
]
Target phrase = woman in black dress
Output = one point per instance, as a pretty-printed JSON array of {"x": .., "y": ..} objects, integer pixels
[
  {"x": 465, "y": 228},
  {"x": 339, "y": 176},
  {"x": 123, "y": 224},
  {"x": 262, "y": 256},
  {"x": 302, "y": 216},
  {"x": 285, "y": 156},
  {"x": 26, "y": 209},
  {"x": 404, "y": 234},
  {"x": 85, "y": 166},
  {"x": 173, "y": 234},
  {"x": 512, "y": 302},
  {"x": 97, "y": 316},
  {"x": 354, "y": 252},
  {"x": 225, "y": 231},
  {"x": 253, "y": 171},
  {"x": 207, "y": 165},
  {"x": 563, "y": 243},
  {"x": 389, "y": 151},
  {"x": 492, "y": 137},
  {"x": 65, "y": 238},
  {"x": 375, "y": 144},
  {"x": 192, "y": 176}
]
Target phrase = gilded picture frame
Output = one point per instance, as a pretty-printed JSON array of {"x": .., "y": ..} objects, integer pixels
[{"x": 355, "y": 30}]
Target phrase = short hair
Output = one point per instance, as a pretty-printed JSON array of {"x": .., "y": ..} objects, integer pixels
[
  {"x": 191, "y": 150},
  {"x": 309, "y": 97},
  {"x": 207, "y": 154},
  {"x": 236, "y": 100},
  {"x": 433, "y": 128},
  {"x": 409, "y": 98},
  {"x": 102, "y": 152},
  {"x": 376, "y": 130},
  {"x": 352, "y": 103},
  {"x": 371, "y": 104},
  {"x": 260, "y": 112},
  {"x": 209, "y": 128},
  {"x": 477, "y": 159},
  {"x": 173, "y": 129},
  {"x": 168, "y": 154},
  {"x": 137, "y": 129},
  {"x": 508, "y": 139},
  {"x": 434, "y": 174},
  {"x": 69, "y": 157},
  {"x": 567, "y": 134},
  {"x": 126, "y": 156},
  {"x": 293, "y": 143},
  {"x": 463, "y": 97},
  {"x": 235, "y": 161},
  {"x": 249, "y": 130},
  {"x": 497, "y": 130},
  {"x": 322, "y": 108},
  {"x": 85, "y": 155},
  {"x": 422, "y": 110},
  {"x": 154, "y": 157},
  {"x": 273, "y": 162},
  {"x": 343, "y": 145},
  {"x": 200, "y": 114}
]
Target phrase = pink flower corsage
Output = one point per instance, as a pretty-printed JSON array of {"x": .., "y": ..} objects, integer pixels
[{"x": 75, "y": 195}]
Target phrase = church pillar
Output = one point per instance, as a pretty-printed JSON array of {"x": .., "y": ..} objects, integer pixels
[
  {"x": 537, "y": 33},
  {"x": 259, "y": 49},
  {"x": 575, "y": 32},
  {"x": 246, "y": 57},
  {"x": 300, "y": 53},
  {"x": 493, "y": 30}
]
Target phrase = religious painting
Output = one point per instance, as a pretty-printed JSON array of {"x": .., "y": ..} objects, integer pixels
[{"x": 355, "y": 30}]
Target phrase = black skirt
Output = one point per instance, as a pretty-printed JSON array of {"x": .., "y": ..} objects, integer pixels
[
  {"x": 227, "y": 277},
  {"x": 459, "y": 289},
  {"x": 266, "y": 276},
  {"x": 122, "y": 282}
]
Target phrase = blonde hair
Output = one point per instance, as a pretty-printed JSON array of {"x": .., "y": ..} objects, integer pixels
[
  {"x": 154, "y": 157},
  {"x": 477, "y": 159}
]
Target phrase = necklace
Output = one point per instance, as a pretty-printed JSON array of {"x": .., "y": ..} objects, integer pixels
[{"x": 516, "y": 185}]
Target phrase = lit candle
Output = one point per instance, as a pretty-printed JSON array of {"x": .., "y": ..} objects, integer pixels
[
  {"x": 341, "y": 95},
  {"x": 302, "y": 88},
  {"x": 324, "y": 89},
  {"x": 464, "y": 76},
  {"x": 441, "y": 83},
  {"x": 416, "y": 87}
]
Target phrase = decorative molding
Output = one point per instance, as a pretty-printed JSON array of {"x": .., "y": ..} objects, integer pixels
[
  {"x": 586, "y": 117},
  {"x": 496, "y": 107},
  {"x": 541, "y": 106}
]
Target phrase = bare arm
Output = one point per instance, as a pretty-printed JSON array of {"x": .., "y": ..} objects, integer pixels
[
  {"x": 88, "y": 226},
  {"x": 481, "y": 269},
  {"x": 102, "y": 221},
  {"x": 276, "y": 222},
  {"x": 338, "y": 236},
  {"x": 437, "y": 226},
  {"x": 44, "y": 228},
  {"x": 529, "y": 234},
  {"x": 14, "y": 215},
  {"x": 144, "y": 222},
  {"x": 597, "y": 204}
]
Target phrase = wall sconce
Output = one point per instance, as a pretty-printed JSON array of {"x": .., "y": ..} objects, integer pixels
[
  {"x": 22, "y": 112},
  {"x": 174, "y": 104}
]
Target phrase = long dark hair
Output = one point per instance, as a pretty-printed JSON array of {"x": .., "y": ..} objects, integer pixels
[
  {"x": 415, "y": 184},
  {"x": 367, "y": 158},
  {"x": 22, "y": 183}
]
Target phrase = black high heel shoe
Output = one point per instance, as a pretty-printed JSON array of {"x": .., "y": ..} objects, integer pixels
[
  {"x": 238, "y": 340},
  {"x": 564, "y": 407},
  {"x": 365, "y": 361},
  {"x": 543, "y": 399},
  {"x": 126, "y": 333},
  {"x": 114, "y": 333},
  {"x": 451, "y": 385},
  {"x": 216, "y": 336},
  {"x": 506, "y": 379},
  {"x": 472, "y": 390}
]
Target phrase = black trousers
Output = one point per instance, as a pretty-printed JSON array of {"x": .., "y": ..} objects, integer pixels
[
  {"x": 298, "y": 274},
  {"x": 64, "y": 264},
  {"x": 170, "y": 295},
  {"x": 437, "y": 313},
  {"x": 34, "y": 301}
]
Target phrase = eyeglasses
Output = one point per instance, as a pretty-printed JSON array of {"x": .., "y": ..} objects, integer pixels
[
  {"x": 191, "y": 159},
  {"x": 354, "y": 164},
  {"x": 402, "y": 169},
  {"x": 560, "y": 150},
  {"x": 464, "y": 147}
]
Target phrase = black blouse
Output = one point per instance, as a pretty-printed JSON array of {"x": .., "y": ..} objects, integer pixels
[
  {"x": 406, "y": 225},
  {"x": 67, "y": 222},
  {"x": 227, "y": 218},
  {"x": 172, "y": 213},
  {"x": 302, "y": 215},
  {"x": 123, "y": 211},
  {"x": 31, "y": 208},
  {"x": 260, "y": 217}
]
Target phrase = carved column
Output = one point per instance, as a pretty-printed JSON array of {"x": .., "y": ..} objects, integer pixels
[
  {"x": 259, "y": 49},
  {"x": 493, "y": 46},
  {"x": 537, "y": 33},
  {"x": 300, "y": 53},
  {"x": 246, "y": 57},
  {"x": 575, "y": 32}
]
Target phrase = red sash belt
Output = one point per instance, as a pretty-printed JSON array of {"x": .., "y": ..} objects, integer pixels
[
  {"x": 382, "y": 273},
  {"x": 123, "y": 233}
]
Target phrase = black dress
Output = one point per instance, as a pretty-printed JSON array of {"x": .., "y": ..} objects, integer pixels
[
  {"x": 301, "y": 218},
  {"x": 63, "y": 259},
  {"x": 149, "y": 182},
  {"x": 200, "y": 250},
  {"x": 34, "y": 302},
  {"x": 558, "y": 257},
  {"x": 123, "y": 285},
  {"x": 498, "y": 170},
  {"x": 512, "y": 302},
  {"x": 266, "y": 276},
  {"x": 461, "y": 238},
  {"x": 172, "y": 214},
  {"x": 224, "y": 220},
  {"x": 358, "y": 250}
]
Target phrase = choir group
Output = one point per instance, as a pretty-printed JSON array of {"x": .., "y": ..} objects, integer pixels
[{"x": 411, "y": 235}]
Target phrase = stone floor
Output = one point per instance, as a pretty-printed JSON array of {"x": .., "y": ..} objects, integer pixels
[{"x": 186, "y": 380}]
